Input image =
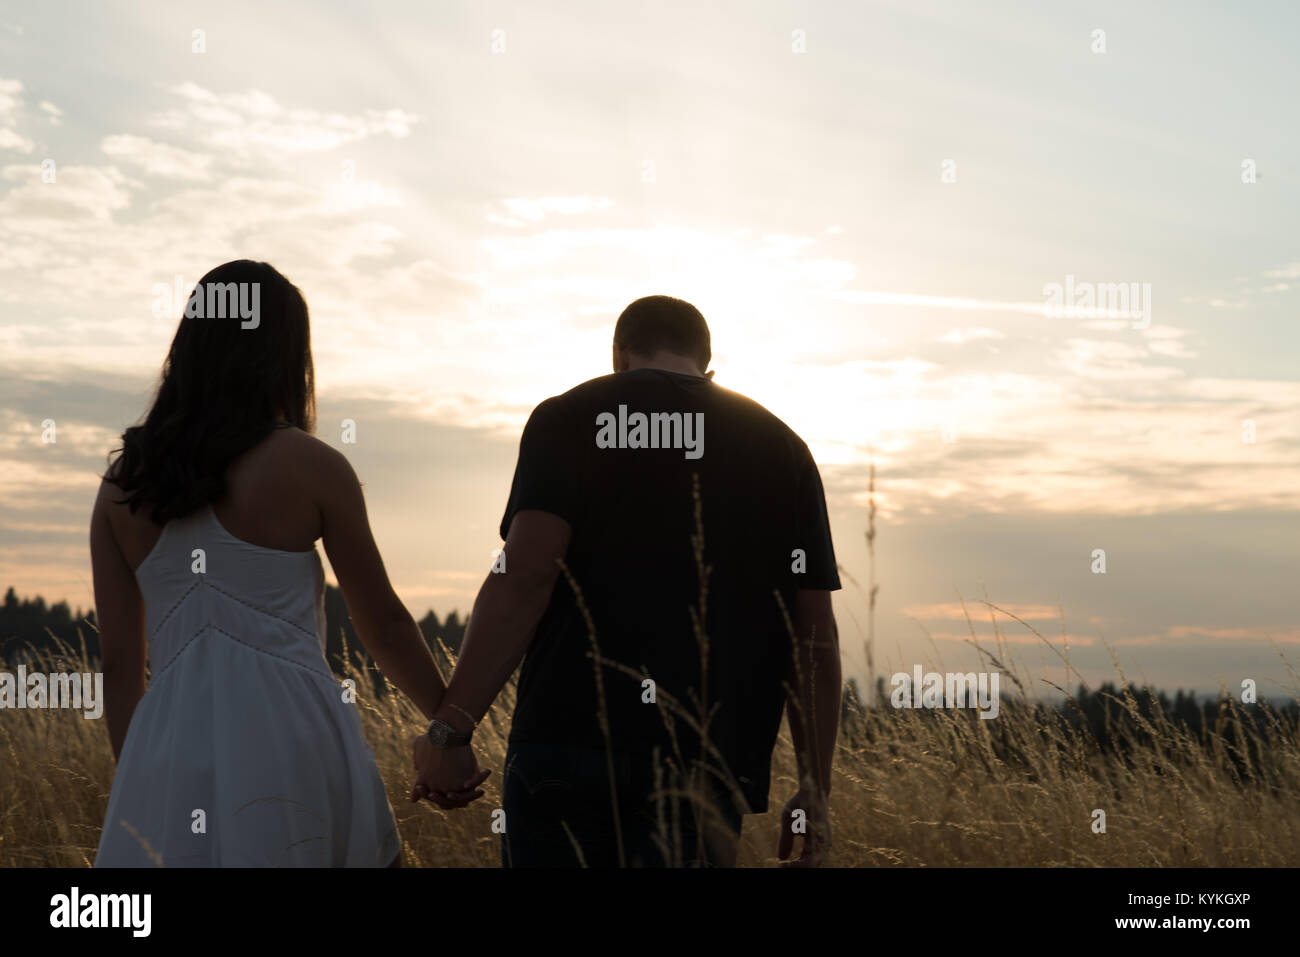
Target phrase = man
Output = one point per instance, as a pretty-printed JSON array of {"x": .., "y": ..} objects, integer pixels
[{"x": 663, "y": 539}]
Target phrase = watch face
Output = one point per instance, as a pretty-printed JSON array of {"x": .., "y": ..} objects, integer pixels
[{"x": 444, "y": 735}]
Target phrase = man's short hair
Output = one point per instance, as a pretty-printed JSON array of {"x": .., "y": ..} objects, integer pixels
[{"x": 662, "y": 322}]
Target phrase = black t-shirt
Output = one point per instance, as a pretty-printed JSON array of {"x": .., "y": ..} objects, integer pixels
[{"x": 618, "y": 458}]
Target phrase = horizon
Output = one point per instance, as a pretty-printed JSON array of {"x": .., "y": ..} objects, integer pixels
[{"x": 1051, "y": 696}]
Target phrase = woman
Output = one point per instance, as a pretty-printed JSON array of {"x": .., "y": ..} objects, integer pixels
[{"x": 246, "y": 750}]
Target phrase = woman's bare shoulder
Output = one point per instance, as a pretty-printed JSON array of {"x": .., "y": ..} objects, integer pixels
[
  {"x": 110, "y": 501},
  {"x": 315, "y": 460}
]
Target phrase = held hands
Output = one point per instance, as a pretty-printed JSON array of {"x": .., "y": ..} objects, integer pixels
[
  {"x": 449, "y": 777},
  {"x": 805, "y": 815}
]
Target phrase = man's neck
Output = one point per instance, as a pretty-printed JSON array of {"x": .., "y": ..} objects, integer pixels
[{"x": 666, "y": 362}]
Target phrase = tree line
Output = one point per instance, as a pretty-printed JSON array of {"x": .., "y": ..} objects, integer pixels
[{"x": 32, "y": 630}]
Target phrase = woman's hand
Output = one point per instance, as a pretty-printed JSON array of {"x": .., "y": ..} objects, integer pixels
[{"x": 449, "y": 777}]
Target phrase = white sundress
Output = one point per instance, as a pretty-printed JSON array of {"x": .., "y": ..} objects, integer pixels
[{"x": 243, "y": 751}]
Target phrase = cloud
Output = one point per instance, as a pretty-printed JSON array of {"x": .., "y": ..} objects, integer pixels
[
  {"x": 9, "y": 140},
  {"x": 535, "y": 210},
  {"x": 1289, "y": 271},
  {"x": 1287, "y": 635},
  {"x": 1081, "y": 641},
  {"x": 960, "y": 337},
  {"x": 11, "y": 101},
  {"x": 1215, "y": 302},
  {"x": 158, "y": 159},
  {"x": 1172, "y": 348},
  {"x": 1110, "y": 359},
  {"x": 978, "y": 611},
  {"x": 782, "y": 246},
  {"x": 78, "y": 194},
  {"x": 875, "y": 298},
  {"x": 1167, "y": 341},
  {"x": 10, "y": 97},
  {"x": 254, "y": 124},
  {"x": 204, "y": 206}
]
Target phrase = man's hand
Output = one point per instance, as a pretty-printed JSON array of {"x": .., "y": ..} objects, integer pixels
[
  {"x": 805, "y": 815},
  {"x": 449, "y": 777}
]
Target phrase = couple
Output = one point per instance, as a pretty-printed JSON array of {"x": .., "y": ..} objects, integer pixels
[{"x": 668, "y": 596}]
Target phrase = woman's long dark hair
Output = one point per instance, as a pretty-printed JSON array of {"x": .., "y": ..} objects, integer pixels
[{"x": 226, "y": 385}]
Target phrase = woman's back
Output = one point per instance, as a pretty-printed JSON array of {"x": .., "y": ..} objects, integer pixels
[{"x": 269, "y": 500}]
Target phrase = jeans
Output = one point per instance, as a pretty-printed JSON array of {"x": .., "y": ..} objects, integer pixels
[{"x": 559, "y": 813}]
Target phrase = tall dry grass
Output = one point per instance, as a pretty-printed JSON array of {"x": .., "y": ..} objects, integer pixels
[{"x": 937, "y": 788}]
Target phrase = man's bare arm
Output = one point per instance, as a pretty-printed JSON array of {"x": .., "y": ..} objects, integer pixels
[
  {"x": 814, "y": 707},
  {"x": 505, "y": 616}
]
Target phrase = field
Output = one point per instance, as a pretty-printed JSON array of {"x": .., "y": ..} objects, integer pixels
[{"x": 911, "y": 788}]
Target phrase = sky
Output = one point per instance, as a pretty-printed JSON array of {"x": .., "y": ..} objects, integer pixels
[{"x": 875, "y": 205}]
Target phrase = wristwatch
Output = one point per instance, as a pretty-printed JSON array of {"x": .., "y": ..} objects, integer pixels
[{"x": 445, "y": 736}]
